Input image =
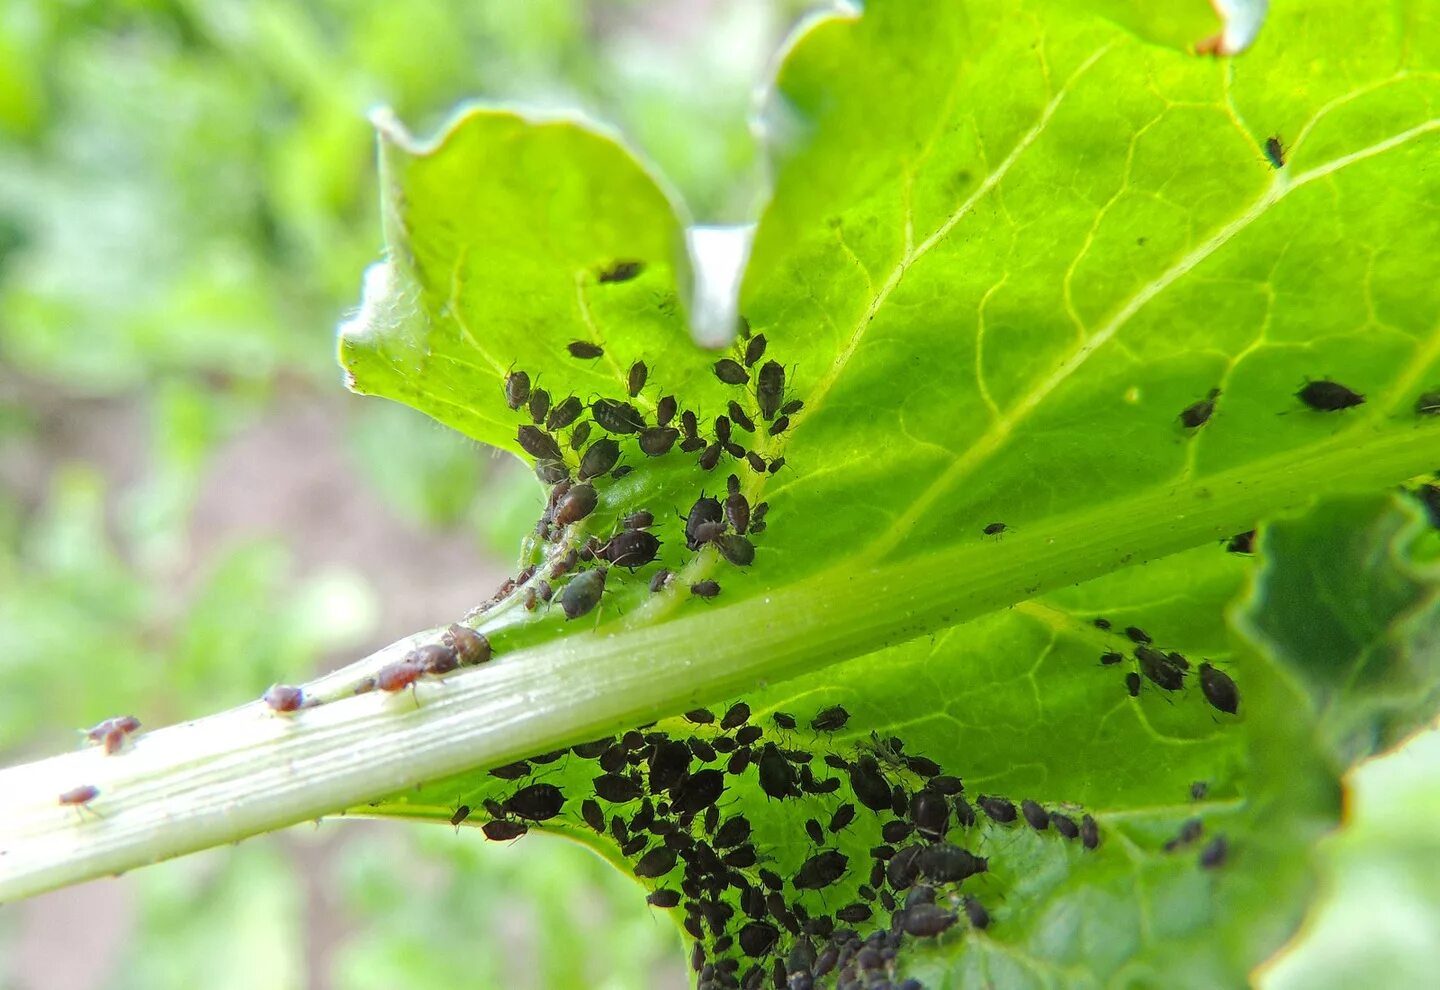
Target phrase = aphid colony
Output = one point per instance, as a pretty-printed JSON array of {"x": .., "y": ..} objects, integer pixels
[
  {"x": 759, "y": 915},
  {"x": 1167, "y": 670}
]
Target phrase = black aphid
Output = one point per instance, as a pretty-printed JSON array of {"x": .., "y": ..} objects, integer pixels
[
  {"x": 635, "y": 380},
  {"x": 656, "y": 441},
  {"x": 732, "y": 832},
  {"x": 501, "y": 830},
  {"x": 1428, "y": 404},
  {"x": 599, "y": 457},
  {"x": 663, "y": 898},
  {"x": 591, "y": 750},
  {"x": 1242, "y": 542},
  {"x": 1159, "y": 669},
  {"x": 758, "y": 938},
  {"x": 756, "y": 462},
  {"x": 903, "y": 870},
  {"x": 1219, "y": 688},
  {"x": 975, "y": 911},
  {"x": 655, "y": 863},
  {"x": 792, "y": 407},
  {"x": 692, "y": 444},
  {"x": 710, "y": 457},
  {"x": 705, "y": 510},
  {"x": 517, "y": 389},
  {"x": 896, "y": 831},
  {"x": 964, "y": 813},
  {"x": 737, "y": 715},
  {"x": 739, "y": 418},
  {"x": 754, "y": 349},
  {"x": 583, "y": 593},
  {"x": 617, "y": 789},
  {"x": 661, "y": 580},
  {"x": 997, "y": 809},
  {"x": 552, "y": 472},
  {"x": 814, "y": 830},
  {"x": 777, "y": 776},
  {"x": 869, "y": 784},
  {"x": 697, "y": 792},
  {"x": 1102, "y": 623},
  {"x": 594, "y": 817},
  {"x": 1132, "y": 684},
  {"x": 700, "y": 716},
  {"x": 736, "y": 549},
  {"x": 829, "y": 719},
  {"x": 783, "y": 720},
  {"x": 1111, "y": 658},
  {"x": 630, "y": 548},
  {"x": 579, "y": 435},
  {"x": 770, "y": 388},
  {"x": 578, "y": 503},
  {"x": 779, "y": 426},
  {"x": 705, "y": 589},
  {"x": 926, "y": 920},
  {"x": 614, "y": 416},
  {"x": 722, "y": 429},
  {"x": 1275, "y": 152},
  {"x": 1328, "y": 396},
  {"x": 776, "y": 465},
  {"x": 942, "y": 862},
  {"x": 853, "y": 914},
  {"x": 930, "y": 812},
  {"x": 461, "y": 813},
  {"x": 731, "y": 372},
  {"x": 1089, "y": 832},
  {"x": 538, "y": 444},
  {"x": 1197, "y": 414},
  {"x": 821, "y": 870},
  {"x": 538, "y": 802},
  {"x": 922, "y": 765},
  {"x": 669, "y": 762},
  {"x": 563, "y": 414},
  {"x": 539, "y": 404},
  {"x": 1065, "y": 825},
  {"x": 1137, "y": 635},
  {"x": 1216, "y": 851},
  {"x": 1178, "y": 659},
  {"x": 1037, "y": 817}
]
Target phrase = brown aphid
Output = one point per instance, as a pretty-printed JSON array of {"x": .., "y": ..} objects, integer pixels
[
  {"x": 631, "y": 548},
  {"x": 756, "y": 462},
  {"x": 710, "y": 457},
  {"x": 584, "y": 350},
  {"x": 737, "y": 512},
  {"x": 434, "y": 658},
  {"x": 736, "y": 549},
  {"x": 691, "y": 444},
  {"x": 564, "y": 414},
  {"x": 461, "y": 813},
  {"x": 734, "y": 450},
  {"x": 284, "y": 698},
  {"x": 598, "y": 458},
  {"x": 502, "y": 830},
  {"x": 614, "y": 416},
  {"x": 578, "y": 503},
  {"x": 792, "y": 407},
  {"x": 470, "y": 646},
  {"x": 545, "y": 591},
  {"x": 551, "y": 472},
  {"x": 80, "y": 796},
  {"x": 754, "y": 349},
  {"x": 661, "y": 580},
  {"x": 770, "y": 388},
  {"x": 657, "y": 440},
  {"x": 689, "y": 425},
  {"x": 776, "y": 464},
  {"x": 635, "y": 380},
  {"x": 397, "y": 676},
  {"x": 1197, "y": 414},
  {"x": 579, "y": 435},
  {"x": 722, "y": 429},
  {"x": 705, "y": 589},
  {"x": 780, "y": 426},
  {"x": 538, "y": 444},
  {"x": 641, "y": 519},
  {"x": 731, "y": 372},
  {"x": 364, "y": 686},
  {"x": 517, "y": 389},
  {"x": 583, "y": 593},
  {"x": 738, "y": 417},
  {"x": 539, "y": 404},
  {"x": 665, "y": 410}
]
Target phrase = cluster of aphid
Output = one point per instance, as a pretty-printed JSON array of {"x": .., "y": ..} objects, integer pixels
[
  {"x": 755, "y": 924},
  {"x": 1167, "y": 670}
]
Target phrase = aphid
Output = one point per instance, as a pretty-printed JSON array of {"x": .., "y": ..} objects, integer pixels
[
  {"x": 854, "y": 913},
  {"x": 1197, "y": 414},
  {"x": 926, "y": 920},
  {"x": 1089, "y": 832},
  {"x": 769, "y": 388},
  {"x": 1216, "y": 851},
  {"x": 663, "y": 898},
  {"x": 1219, "y": 688},
  {"x": 756, "y": 462},
  {"x": 1065, "y": 825},
  {"x": 665, "y": 410},
  {"x": 1328, "y": 396},
  {"x": 538, "y": 802},
  {"x": 635, "y": 381},
  {"x": 829, "y": 719},
  {"x": 902, "y": 870},
  {"x": 896, "y": 831},
  {"x": 1428, "y": 404},
  {"x": 1037, "y": 817},
  {"x": 821, "y": 870},
  {"x": 591, "y": 750},
  {"x": 737, "y": 715},
  {"x": 705, "y": 589},
  {"x": 545, "y": 591},
  {"x": 564, "y": 414},
  {"x": 758, "y": 938},
  {"x": 779, "y": 426},
  {"x": 722, "y": 429},
  {"x": 1132, "y": 684},
  {"x": 736, "y": 549},
  {"x": 697, "y": 792},
  {"x": 710, "y": 457},
  {"x": 80, "y": 796},
  {"x": 1159, "y": 670},
  {"x": 754, "y": 349},
  {"x": 579, "y": 435},
  {"x": 594, "y": 817},
  {"x": 397, "y": 676},
  {"x": 470, "y": 646},
  {"x": 739, "y": 760},
  {"x": 538, "y": 444},
  {"x": 434, "y": 658},
  {"x": 539, "y": 404},
  {"x": 964, "y": 813},
  {"x": 112, "y": 732},
  {"x": 621, "y": 271},
  {"x": 283, "y": 698},
  {"x": 578, "y": 503},
  {"x": 997, "y": 809},
  {"x": 614, "y": 416},
  {"x": 1102, "y": 624},
  {"x": 1137, "y": 635},
  {"x": 1178, "y": 659},
  {"x": 584, "y": 350},
  {"x": 621, "y": 471},
  {"x": 656, "y": 441},
  {"x": 814, "y": 830},
  {"x": 700, "y": 716},
  {"x": 502, "y": 830},
  {"x": 583, "y": 593},
  {"x": 669, "y": 762},
  {"x": 735, "y": 831},
  {"x": 1199, "y": 789},
  {"x": 617, "y": 789},
  {"x": 776, "y": 465},
  {"x": 599, "y": 457},
  {"x": 461, "y": 813},
  {"x": 783, "y": 720},
  {"x": 1111, "y": 658},
  {"x": 512, "y": 771},
  {"x": 689, "y": 425},
  {"x": 792, "y": 407},
  {"x": 731, "y": 372},
  {"x": 777, "y": 777},
  {"x": 975, "y": 911},
  {"x": 930, "y": 812},
  {"x": 692, "y": 444},
  {"x": 1242, "y": 542},
  {"x": 655, "y": 863},
  {"x": 565, "y": 564},
  {"x": 1275, "y": 152},
  {"x": 630, "y": 548},
  {"x": 942, "y": 862},
  {"x": 517, "y": 389},
  {"x": 869, "y": 784},
  {"x": 1190, "y": 830},
  {"x": 739, "y": 417}
]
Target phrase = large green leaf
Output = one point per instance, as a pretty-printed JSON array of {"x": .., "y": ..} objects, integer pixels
[{"x": 1007, "y": 246}]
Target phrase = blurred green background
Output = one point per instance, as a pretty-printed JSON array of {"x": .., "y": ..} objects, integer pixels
[{"x": 191, "y": 505}]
